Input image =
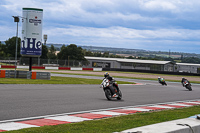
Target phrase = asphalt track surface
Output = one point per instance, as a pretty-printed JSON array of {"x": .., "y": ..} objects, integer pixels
[{"x": 27, "y": 100}]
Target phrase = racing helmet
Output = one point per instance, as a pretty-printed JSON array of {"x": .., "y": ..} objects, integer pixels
[{"x": 106, "y": 74}]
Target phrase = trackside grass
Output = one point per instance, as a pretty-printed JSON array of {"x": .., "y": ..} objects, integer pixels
[
  {"x": 143, "y": 78},
  {"x": 116, "y": 124},
  {"x": 55, "y": 80}
]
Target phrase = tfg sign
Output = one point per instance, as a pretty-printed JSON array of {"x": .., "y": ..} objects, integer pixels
[{"x": 31, "y": 44}]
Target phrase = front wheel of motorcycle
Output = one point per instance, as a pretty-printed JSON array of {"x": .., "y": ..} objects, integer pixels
[
  {"x": 108, "y": 94},
  {"x": 119, "y": 95}
]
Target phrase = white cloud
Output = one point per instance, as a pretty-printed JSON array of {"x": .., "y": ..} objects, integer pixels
[
  {"x": 134, "y": 22},
  {"x": 125, "y": 33},
  {"x": 159, "y": 5}
]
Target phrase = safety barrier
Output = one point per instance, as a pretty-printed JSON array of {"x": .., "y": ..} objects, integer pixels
[
  {"x": 55, "y": 68},
  {"x": 24, "y": 74},
  {"x": 2, "y": 73}
]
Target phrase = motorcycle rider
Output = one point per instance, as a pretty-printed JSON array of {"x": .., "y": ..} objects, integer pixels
[
  {"x": 107, "y": 76},
  {"x": 160, "y": 80},
  {"x": 183, "y": 80}
]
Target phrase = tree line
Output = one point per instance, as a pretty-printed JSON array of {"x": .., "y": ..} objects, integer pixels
[{"x": 73, "y": 52}]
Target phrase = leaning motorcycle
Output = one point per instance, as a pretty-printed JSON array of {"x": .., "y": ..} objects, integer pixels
[
  {"x": 187, "y": 85},
  {"x": 163, "y": 83},
  {"x": 106, "y": 85}
]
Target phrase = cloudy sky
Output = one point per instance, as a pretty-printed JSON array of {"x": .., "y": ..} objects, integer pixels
[{"x": 157, "y": 25}]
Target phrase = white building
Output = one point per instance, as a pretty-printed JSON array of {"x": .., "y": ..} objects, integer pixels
[
  {"x": 151, "y": 65},
  {"x": 187, "y": 67},
  {"x": 120, "y": 63}
]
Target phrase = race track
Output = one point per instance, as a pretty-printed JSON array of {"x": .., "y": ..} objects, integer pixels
[{"x": 26, "y": 100}]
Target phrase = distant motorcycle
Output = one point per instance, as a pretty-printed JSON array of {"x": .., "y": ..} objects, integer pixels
[
  {"x": 162, "y": 81},
  {"x": 106, "y": 85},
  {"x": 187, "y": 85}
]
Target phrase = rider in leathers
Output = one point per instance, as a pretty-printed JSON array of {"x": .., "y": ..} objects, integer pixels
[
  {"x": 107, "y": 76},
  {"x": 183, "y": 80}
]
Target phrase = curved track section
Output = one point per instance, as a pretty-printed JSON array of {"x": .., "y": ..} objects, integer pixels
[{"x": 21, "y": 101}]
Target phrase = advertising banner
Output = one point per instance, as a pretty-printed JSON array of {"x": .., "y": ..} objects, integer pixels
[{"x": 31, "y": 44}]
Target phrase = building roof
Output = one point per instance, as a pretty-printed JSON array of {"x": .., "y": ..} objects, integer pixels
[
  {"x": 101, "y": 58},
  {"x": 145, "y": 61},
  {"x": 130, "y": 60},
  {"x": 187, "y": 64}
]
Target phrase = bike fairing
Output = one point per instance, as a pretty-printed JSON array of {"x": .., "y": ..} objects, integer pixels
[
  {"x": 109, "y": 79},
  {"x": 183, "y": 81},
  {"x": 186, "y": 84},
  {"x": 106, "y": 82},
  {"x": 107, "y": 86}
]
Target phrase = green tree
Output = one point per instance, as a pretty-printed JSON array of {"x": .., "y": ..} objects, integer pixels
[
  {"x": 44, "y": 52},
  {"x": 87, "y": 53},
  {"x": 63, "y": 54},
  {"x": 105, "y": 54},
  {"x": 72, "y": 52},
  {"x": 10, "y": 47},
  {"x": 2, "y": 49},
  {"x": 191, "y": 60},
  {"x": 97, "y": 54},
  {"x": 52, "y": 53}
]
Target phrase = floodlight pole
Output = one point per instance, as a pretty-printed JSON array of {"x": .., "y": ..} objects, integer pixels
[
  {"x": 16, "y": 19},
  {"x": 45, "y": 38}
]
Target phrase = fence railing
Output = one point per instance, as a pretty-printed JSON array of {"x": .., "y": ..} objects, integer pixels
[{"x": 44, "y": 62}]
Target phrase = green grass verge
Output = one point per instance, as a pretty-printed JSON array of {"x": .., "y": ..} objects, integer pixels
[
  {"x": 116, "y": 124},
  {"x": 159, "y": 75},
  {"x": 55, "y": 80},
  {"x": 197, "y": 82}
]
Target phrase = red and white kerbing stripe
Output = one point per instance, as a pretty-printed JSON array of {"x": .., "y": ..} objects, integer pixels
[
  {"x": 55, "y": 68},
  {"x": 89, "y": 115}
]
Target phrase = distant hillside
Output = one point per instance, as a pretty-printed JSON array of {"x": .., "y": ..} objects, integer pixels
[{"x": 132, "y": 52}]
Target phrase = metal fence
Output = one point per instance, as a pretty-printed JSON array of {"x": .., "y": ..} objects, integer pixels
[{"x": 44, "y": 62}]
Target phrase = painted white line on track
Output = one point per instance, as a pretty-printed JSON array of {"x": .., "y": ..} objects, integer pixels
[
  {"x": 108, "y": 113},
  {"x": 180, "y": 104},
  {"x": 138, "y": 109},
  {"x": 68, "y": 118},
  {"x": 15, "y": 126},
  {"x": 162, "y": 106},
  {"x": 194, "y": 102}
]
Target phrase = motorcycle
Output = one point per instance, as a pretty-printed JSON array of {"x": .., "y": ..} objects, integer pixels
[
  {"x": 187, "y": 85},
  {"x": 162, "y": 82},
  {"x": 106, "y": 85}
]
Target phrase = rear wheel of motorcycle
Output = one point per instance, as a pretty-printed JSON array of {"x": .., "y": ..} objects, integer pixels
[
  {"x": 119, "y": 95},
  {"x": 108, "y": 94}
]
